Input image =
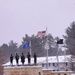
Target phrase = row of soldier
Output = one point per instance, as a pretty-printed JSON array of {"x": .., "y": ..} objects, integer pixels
[{"x": 23, "y": 58}]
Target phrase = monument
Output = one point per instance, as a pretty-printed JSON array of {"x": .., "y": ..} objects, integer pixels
[
  {"x": 19, "y": 67},
  {"x": 29, "y": 68},
  {"x": 23, "y": 70}
]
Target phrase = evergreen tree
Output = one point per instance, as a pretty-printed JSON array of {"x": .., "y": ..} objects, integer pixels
[
  {"x": 37, "y": 45},
  {"x": 5, "y": 49},
  {"x": 70, "y": 38},
  {"x": 70, "y": 43},
  {"x": 13, "y": 48},
  {"x": 9, "y": 49}
]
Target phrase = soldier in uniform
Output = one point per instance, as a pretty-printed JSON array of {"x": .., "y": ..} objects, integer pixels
[
  {"x": 11, "y": 59},
  {"x": 29, "y": 58},
  {"x": 22, "y": 59},
  {"x": 35, "y": 58},
  {"x": 17, "y": 58}
]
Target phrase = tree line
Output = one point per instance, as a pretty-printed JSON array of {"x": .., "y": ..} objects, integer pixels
[{"x": 37, "y": 46}]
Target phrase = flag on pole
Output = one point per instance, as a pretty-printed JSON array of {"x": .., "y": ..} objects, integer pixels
[
  {"x": 41, "y": 33},
  {"x": 27, "y": 44},
  {"x": 60, "y": 41}
]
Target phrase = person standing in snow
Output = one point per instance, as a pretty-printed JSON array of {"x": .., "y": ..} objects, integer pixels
[
  {"x": 22, "y": 59},
  {"x": 29, "y": 58},
  {"x": 11, "y": 59},
  {"x": 17, "y": 58}
]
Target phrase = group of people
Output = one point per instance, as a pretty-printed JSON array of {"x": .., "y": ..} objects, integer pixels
[{"x": 23, "y": 58}]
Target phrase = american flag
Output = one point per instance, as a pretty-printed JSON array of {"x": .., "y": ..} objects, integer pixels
[{"x": 41, "y": 33}]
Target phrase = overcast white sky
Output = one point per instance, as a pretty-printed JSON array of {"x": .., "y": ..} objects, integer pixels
[{"x": 20, "y": 17}]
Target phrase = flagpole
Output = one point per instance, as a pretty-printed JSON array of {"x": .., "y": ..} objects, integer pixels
[
  {"x": 65, "y": 57},
  {"x": 57, "y": 56},
  {"x": 30, "y": 49},
  {"x": 47, "y": 49},
  {"x": 58, "y": 48}
]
